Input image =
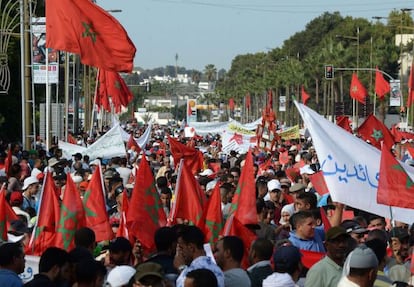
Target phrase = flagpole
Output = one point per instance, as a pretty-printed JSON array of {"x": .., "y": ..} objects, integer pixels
[
  {"x": 408, "y": 114},
  {"x": 375, "y": 102},
  {"x": 47, "y": 102},
  {"x": 93, "y": 103},
  {"x": 67, "y": 67}
]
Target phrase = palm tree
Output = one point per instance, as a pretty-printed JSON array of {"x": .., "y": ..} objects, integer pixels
[{"x": 210, "y": 71}]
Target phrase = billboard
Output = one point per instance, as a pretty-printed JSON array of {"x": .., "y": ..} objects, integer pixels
[
  {"x": 395, "y": 93},
  {"x": 39, "y": 53}
]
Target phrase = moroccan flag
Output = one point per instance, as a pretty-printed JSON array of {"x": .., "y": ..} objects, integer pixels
[
  {"x": 123, "y": 229},
  {"x": 382, "y": 87},
  {"x": 400, "y": 135},
  {"x": 325, "y": 221},
  {"x": 410, "y": 98},
  {"x": 395, "y": 187},
  {"x": 213, "y": 216},
  {"x": 318, "y": 182},
  {"x": 305, "y": 96},
  {"x": 193, "y": 158},
  {"x": 189, "y": 204},
  {"x": 374, "y": 131},
  {"x": 8, "y": 161},
  {"x": 72, "y": 216},
  {"x": 71, "y": 139},
  {"x": 292, "y": 173},
  {"x": 343, "y": 122},
  {"x": 84, "y": 28},
  {"x": 111, "y": 85},
  {"x": 310, "y": 258},
  {"x": 284, "y": 157},
  {"x": 132, "y": 142},
  {"x": 264, "y": 166},
  {"x": 95, "y": 208},
  {"x": 6, "y": 214},
  {"x": 231, "y": 104},
  {"x": 150, "y": 212},
  {"x": 44, "y": 232},
  {"x": 243, "y": 204},
  {"x": 357, "y": 90},
  {"x": 269, "y": 104},
  {"x": 247, "y": 101},
  {"x": 236, "y": 228}
]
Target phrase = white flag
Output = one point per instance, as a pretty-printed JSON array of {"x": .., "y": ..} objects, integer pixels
[{"x": 350, "y": 166}]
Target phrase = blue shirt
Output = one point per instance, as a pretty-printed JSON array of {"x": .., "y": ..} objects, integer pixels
[
  {"x": 202, "y": 262},
  {"x": 9, "y": 278},
  {"x": 314, "y": 244}
]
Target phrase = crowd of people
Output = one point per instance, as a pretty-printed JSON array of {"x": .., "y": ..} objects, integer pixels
[{"x": 303, "y": 238}]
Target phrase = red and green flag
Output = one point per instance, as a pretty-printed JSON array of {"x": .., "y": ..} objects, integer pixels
[
  {"x": 213, "y": 216},
  {"x": 357, "y": 90},
  {"x": 374, "y": 131},
  {"x": 305, "y": 96},
  {"x": 95, "y": 209},
  {"x": 150, "y": 212},
  {"x": 123, "y": 229},
  {"x": 382, "y": 87},
  {"x": 344, "y": 122},
  {"x": 193, "y": 157},
  {"x": 6, "y": 215},
  {"x": 318, "y": 182},
  {"x": 72, "y": 216}
]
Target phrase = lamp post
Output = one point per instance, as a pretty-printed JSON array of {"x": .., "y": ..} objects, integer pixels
[{"x": 354, "y": 102}]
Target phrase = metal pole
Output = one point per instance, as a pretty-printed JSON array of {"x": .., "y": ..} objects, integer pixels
[
  {"x": 22, "y": 70},
  {"x": 67, "y": 68}
]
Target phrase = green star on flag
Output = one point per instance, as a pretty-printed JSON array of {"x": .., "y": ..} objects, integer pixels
[{"x": 89, "y": 32}]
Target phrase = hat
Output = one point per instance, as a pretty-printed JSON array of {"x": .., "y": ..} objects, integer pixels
[
  {"x": 335, "y": 232},
  {"x": 19, "y": 226},
  {"x": 77, "y": 178},
  {"x": 120, "y": 244},
  {"x": 120, "y": 275},
  {"x": 28, "y": 181},
  {"x": 362, "y": 258},
  {"x": 297, "y": 187},
  {"x": 273, "y": 184},
  {"x": 110, "y": 173},
  {"x": 52, "y": 162},
  {"x": 353, "y": 226},
  {"x": 286, "y": 257},
  {"x": 147, "y": 269},
  {"x": 211, "y": 185},
  {"x": 13, "y": 238},
  {"x": 206, "y": 172},
  {"x": 16, "y": 197},
  {"x": 285, "y": 182},
  {"x": 400, "y": 233}
]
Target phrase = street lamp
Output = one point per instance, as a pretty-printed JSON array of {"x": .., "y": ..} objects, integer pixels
[{"x": 354, "y": 102}]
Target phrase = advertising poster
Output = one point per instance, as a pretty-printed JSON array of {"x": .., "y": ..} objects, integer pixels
[
  {"x": 395, "y": 93},
  {"x": 282, "y": 104},
  {"x": 191, "y": 110}
]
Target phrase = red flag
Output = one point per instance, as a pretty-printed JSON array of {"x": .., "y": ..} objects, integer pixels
[
  {"x": 43, "y": 235},
  {"x": 150, "y": 212},
  {"x": 132, "y": 142},
  {"x": 71, "y": 139},
  {"x": 72, "y": 216},
  {"x": 305, "y": 96},
  {"x": 410, "y": 151},
  {"x": 95, "y": 208},
  {"x": 84, "y": 28},
  {"x": 236, "y": 228},
  {"x": 357, "y": 90},
  {"x": 374, "y": 131},
  {"x": 193, "y": 158},
  {"x": 344, "y": 122},
  {"x": 111, "y": 84},
  {"x": 8, "y": 162},
  {"x": 284, "y": 157},
  {"x": 123, "y": 229},
  {"x": 213, "y": 216},
  {"x": 269, "y": 104},
  {"x": 292, "y": 173},
  {"x": 188, "y": 202},
  {"x": 264, "y": 166},
  {"x": 231, "y": 104},
  {"x": 395, "y": 187},
  {"x": 318, "y": 182},
  {"x": 412, "y": 263},
  {"x": 325, "y": 221},
  {"x": 243, "y": 204},
  {"x": 410, "y": 98},
  {"x": 400, "y": 135},
  {"x": 382, "y": 87},
  {"x": 247, "y": 101},
  {"x": 310, "y": 258},
  {"x": 6, "y": 214}
]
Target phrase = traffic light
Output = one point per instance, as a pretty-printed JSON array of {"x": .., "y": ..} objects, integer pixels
[{"x": 329, "y": 72}]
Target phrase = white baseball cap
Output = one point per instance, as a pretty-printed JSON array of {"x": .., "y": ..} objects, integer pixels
[
  {"x": 120, "y": 275},
  {"x": 28, "y": 181}
]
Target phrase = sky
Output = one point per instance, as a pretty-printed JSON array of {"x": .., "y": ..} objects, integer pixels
[{"x": 203, "y": 32}]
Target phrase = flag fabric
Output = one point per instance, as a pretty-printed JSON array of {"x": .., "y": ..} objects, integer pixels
[
  {"x": 231, "y": 104},
  {"x": 243, "y": 204},
  {"x": 150, "y": 212},
  {"x": 382, "y": 87},
  {"x": 395, "y": 186},
  {"x": 132, "y": 142},
  {"x": 44, "y": 232},
  {"x": 95, "y": 209},
  {"x": 247, "y": 101},
  {"x": 6, "y": 214},
  {"x": 318, "y": 182},
  {"x": 284, "y": 157},
  {"x": 213, "y": 216},
  {"x": 71, "y": 139},
  {"x": 410, "y": 98},
  {"x": 84, "y": 28},
  {"x": 400, "y": 135},
  {"x": 350, "y": 166},
  {"x": 357, "y": 90},
  {"x": 8, "y": 161},
  {"x": 374, "y": 131},
  {"x": 310, "y": 258},
  {"x": 111, "y": 85},
  {"x": 325, "y": 221},
  {"x": 72, "y": 216},
  {"x": 344, "y": 122},
  {"x": 305, "y": 96},
  {"x": 269, "y": 103},
  {"x": 193, "y": 158},
  {"x": 188, "y": 205},
  {"x": 123, "y": 228}
]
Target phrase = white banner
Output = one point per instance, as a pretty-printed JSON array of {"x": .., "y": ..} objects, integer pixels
[
  {"x": 204, "y": 128},
  {"x": 31, "y": 268},
  {"x": 240, "y": 142},
  {"x": 69, "y": 149},
  {"x": 350, "y": 166}
]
